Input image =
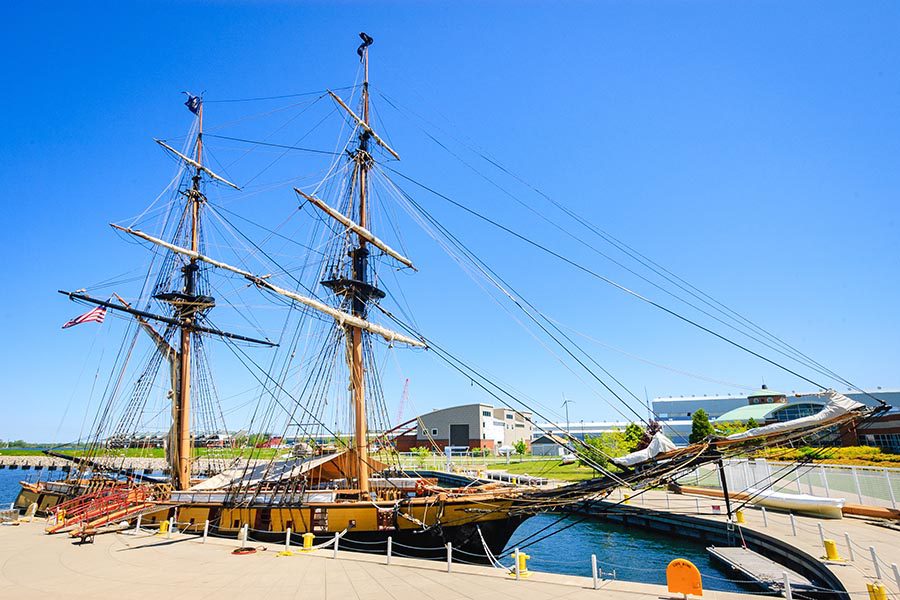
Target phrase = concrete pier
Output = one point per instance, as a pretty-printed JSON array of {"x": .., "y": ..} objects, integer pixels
[{"x": 121, "y": 566}]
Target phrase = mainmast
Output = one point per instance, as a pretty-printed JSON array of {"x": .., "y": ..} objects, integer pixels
[
  {"x": 359, "y": 267},
  {"x": 187, "y": 305}
]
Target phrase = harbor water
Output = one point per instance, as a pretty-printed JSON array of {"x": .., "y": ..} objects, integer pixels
[{"x": 632, "y": 554}]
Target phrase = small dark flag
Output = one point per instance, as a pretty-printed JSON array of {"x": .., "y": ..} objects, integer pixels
[
  {"x": 367, "y": 41},
  {"x": 193, "y": 103},
  {"x": 95, "y": 315}
]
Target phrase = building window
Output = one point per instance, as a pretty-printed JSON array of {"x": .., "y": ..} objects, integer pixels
[
  {"x": 434, "y": 432},
  {"x": 509, "y": 416},
  {"x": 794, "y": 411},
  {"x": 485, "y": 413}
]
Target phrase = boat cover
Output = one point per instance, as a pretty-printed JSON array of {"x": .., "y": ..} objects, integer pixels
[
  {"x": 659, "y": 443},
  {"x": 837, "y": 406},
  {"x": 269, "y": 472}
]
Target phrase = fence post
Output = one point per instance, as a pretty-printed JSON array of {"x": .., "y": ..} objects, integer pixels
[
  {"x": 787, "y": 586},
  {"x": 137, "y": 525},
  {"x": 205, "y": 530},
  {"x": 793, "y": 525},
  {"x": 849, "y": 546},
  {"x": 896, "y": 574},
  {"x": 449, "y": 555},
  {"x": 825, "y": 480},
  {"x": 856, "y": 483},
  {"x": 516, "y": 565},
  {"x": 765, "y": 516},
  {"x": 337, "y": 538},
  {"x": 390, "y": 547},
  {"x": 287, "y": 540},
  {"x": 169, "y": 531},
  {"x": 245, "y": 533},
  {"x": 821, "y": 534},
  {"x": 887, "y": 479},
  {"x": 697, "y": 504},
  {"x": 594, "y": 570},
  {"x": 875, "y": 562}
]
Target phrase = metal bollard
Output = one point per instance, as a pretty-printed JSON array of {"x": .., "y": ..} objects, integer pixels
[
  {"x": 516, "y": 563},
  {"x": 765, "y": 517},
  {"x": 337, "y": 538},
  {"x": 793, "y": 525},
  {"x": 849, "y": 546},
  {"x": 877, "y": 591},
  {"x": 245, "y": 534},
  {"x": 287, "y": 540},
  {"x": 831, "y": 551},
  {"x": 308, "y": 541},
  {"x": 449, "y": 556},
  {"x": 170, "y": 528},
  {"x": 739, "y": 517},
  {"x": 875, "y": 562},
  {"x": 594, "y": 570},
  {"x": 390, "y": 546},
  {"x": 205, "y": 530},
  {"x": 787, "y": 586},
  {"x": 137, "y": 524}
]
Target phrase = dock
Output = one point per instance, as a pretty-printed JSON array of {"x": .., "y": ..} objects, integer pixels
[
  {"x": 759, "y": 570},
  {"x": 126, "y": 566}
]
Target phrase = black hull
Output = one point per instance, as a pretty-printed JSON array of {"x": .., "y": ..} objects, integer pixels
[{"x": 430, "y": 544}]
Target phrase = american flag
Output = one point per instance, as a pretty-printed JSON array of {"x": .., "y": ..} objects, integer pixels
[{"x": 95, "y": 315}]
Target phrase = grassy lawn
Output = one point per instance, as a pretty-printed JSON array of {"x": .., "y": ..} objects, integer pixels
[{"x": 552, "y": 469}]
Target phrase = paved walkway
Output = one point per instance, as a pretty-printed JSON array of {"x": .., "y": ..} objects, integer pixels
[
  {"x": 122, "y": 566},
  {"x": 864, "y": 533}
]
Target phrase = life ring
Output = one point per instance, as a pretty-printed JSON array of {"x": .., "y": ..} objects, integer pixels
[
  {"x": 421, "y": 487},
  {"x": 244, "y": 550}
]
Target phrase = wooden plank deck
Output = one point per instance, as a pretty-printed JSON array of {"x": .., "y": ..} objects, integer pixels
[{"x": 759, "y": 570}]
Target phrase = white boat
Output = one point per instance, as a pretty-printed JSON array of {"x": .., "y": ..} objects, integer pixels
[{"x": 830, "y": 508}]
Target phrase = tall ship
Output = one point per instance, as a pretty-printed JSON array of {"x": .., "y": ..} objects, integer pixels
[{"x": 347, "y": 482}]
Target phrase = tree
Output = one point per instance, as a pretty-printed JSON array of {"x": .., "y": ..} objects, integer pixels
[
  {"x": 521, "y": 447},
  {"x": 632, "y": 437},
  {"x": 701, "y": 428},
  {"x": 751, "y": 423}
]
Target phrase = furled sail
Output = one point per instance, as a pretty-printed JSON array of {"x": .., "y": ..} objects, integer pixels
[
  {"x": 194, "y": 163},
  {"x": 659, "y": 444},
  {"x": 357, "y": 229},
  {"x": 838, "y": 405},
  {"x": 364, "y": 125},
  {"x": 340, "y": 316}
]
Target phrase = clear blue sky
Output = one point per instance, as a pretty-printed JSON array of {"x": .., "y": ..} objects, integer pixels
[{"x": 750, "y": 147}]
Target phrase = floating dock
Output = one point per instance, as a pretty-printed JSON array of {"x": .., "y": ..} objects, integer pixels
[{"x": 758, "y": 570}]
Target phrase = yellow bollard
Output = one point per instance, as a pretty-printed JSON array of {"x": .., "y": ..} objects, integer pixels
[
  {"x": 523, "y": 565},
  {"x": 626, "y": 499},
  {"x": 308, "y": 541},
  {"x": 879, "y": 592},
  {"x": 739, "y": 516},
  {"x": 831, "y": 551},
  {"x": 163, "y": 527}
]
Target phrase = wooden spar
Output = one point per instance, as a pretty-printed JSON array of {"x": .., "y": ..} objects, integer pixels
[
  {"x": 194, "y": 163},
  {"x": 362, "y": 232},
  {"x": 340, "y": 316},
  {"x": 364, "y": 123},
  {"x": 164, "y": 347},
  {"x": 359, "y": 268}
]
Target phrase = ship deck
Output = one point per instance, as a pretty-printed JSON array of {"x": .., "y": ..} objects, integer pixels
[{"x": 122, "y": 566}]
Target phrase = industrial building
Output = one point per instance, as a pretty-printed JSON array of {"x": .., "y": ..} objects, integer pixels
[{"x": 469, "y": 426}]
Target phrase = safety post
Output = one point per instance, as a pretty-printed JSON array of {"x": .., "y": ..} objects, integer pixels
[
  {"x": 739, "y": 516},
  {"x": 137, "y": 524},
  {"x": 875, "y": 562},
  {"x": 896, "y": 574},
  {"x": 821, "y": 534},
  {"x": 163, "y": 528},
  {"x": 849, "y": 546},
  {"x": 516, "y": 563},
  {"x": 793, "y": 525},
  {"x": 390, "y": 547},
  {"x": 449, "y": 556},
  {"x": 337, "y": 538},
  {"x": 170, "y": 528},
  {"x": 594, "y": 571},
  {"x": 205, "y": 530},
  {"x": 787, "y": 586},
  {"x": 697, "y": 503},
  {"x": 287, "y": 540},
  {"x": 856, "y": 484},
  {"x": 877, "y": 591},
  {"x": 765, "y": 516},
  {"x": 245, "y": 533}
]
